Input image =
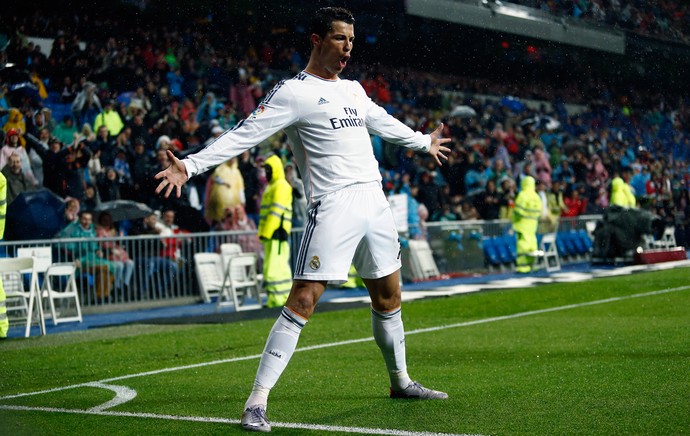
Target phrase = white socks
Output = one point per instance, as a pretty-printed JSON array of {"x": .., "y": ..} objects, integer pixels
[
  {"x": 390, "y": 337},
  {"x": 280, "y": 345}
]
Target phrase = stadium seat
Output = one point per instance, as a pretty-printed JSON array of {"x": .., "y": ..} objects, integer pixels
[
  {"x": 503, "y": 250},
  {"x": 241, "y": 287},
  {"x": 586, "y": 239},
  {"x": 549, "y": 249},
  {"x": 561, "y": 246},
  {"x": 490, "y": 252},
  {"x": 59, "y": 284},
  {"x": 511, "y": 240},
  {"x": 209, "y": 273},
  {"x": 27, "y": 299}
]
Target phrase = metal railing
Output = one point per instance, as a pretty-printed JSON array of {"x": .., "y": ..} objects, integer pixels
[{"x": 161, "y": 269}]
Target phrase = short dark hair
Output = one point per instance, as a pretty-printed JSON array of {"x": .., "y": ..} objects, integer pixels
[{"x": 322, "y": 19}]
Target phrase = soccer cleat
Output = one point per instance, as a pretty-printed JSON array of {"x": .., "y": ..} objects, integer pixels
[
  {"x": 254, "y": 419},
  {"x": 416, "y": 391}
]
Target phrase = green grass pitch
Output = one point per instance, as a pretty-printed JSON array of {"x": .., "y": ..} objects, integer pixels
[{"x": 605, "y": 356}]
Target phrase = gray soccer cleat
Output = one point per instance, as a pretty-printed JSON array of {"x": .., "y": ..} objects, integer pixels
[
  {"x": 254, "y": 419},
  {"x": 416, "y": 391}
]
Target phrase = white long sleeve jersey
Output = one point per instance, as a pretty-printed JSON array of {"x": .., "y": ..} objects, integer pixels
[{"x": 328, "y": 123}]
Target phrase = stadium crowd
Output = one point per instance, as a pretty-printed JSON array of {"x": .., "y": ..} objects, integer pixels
[
  {"x": 658, "y": 18},
  {"x": 110, "y": 98}
]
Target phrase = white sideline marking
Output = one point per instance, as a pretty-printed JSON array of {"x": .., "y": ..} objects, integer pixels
[
  {"x": 354, "y": 341},
  {"x": 332, "y": 428}
]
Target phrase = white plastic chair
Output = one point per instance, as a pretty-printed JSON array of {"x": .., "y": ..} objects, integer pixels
[
  {"x": 549, "y": 252},
  {"x": 43, "y": 256},
  {"x": 229, "y": 249},
  {"x": 210, "y": 274},
  {"x": 20, "y": 265},
  {"x": 422, "y": 260},
  {"x": 59, "y": 284},
  {"x": 667, "y": 240},
  {"x": 241, "y": 287}
]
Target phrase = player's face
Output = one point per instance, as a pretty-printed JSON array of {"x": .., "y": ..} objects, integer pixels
[{"x": 334, "y": 49}]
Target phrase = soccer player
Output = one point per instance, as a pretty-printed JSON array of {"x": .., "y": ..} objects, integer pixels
[{"x": 328, "y": 121}]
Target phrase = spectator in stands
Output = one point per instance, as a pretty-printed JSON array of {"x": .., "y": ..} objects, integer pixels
[
  {"x": 91, "y": 198},
  {"x": 110, "y": 118},
  {"x": 430, "y": 195},
  {"x": 17, "y": 182},
  {"x": 236, "y": 219},
  {"x": 528, "y": 210},
  {"x": 65, "y": 131},
  {"x": 88, "y": 254},
  {"x": 224, "y": 189},
  {"x": 574, "y": 203},
  {"x": 564, "y": 173},
  {"x": 542, "y": 167},
  {"x": 160, "y": 270},
  {"x": 140, "y": 167},
  {"x": 507, "y": 203},
  {"x": 13, "y": 145},
  {"x": 104, "y": 146},
  {"x": 86, "y": 104},
  {"x": 468, "y": 211},
  {"x": 74, "y": 163},
  {"x": 299, "y": 200},
  {"x": 488, "y": 202},
  {"x": 123, "y": 265},
  {"x": 15, "y": 123},
  {"x": 555, "y": 204},
  {"x": 173, "y": 247}
]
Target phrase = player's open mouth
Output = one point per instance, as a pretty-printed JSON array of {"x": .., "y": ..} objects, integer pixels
[{"x": 343, "y": 61}]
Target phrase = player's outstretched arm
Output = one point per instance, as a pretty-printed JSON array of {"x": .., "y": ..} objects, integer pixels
[
  {"x": 437, "y": 148},
  {"x": 172, "y": 177}
]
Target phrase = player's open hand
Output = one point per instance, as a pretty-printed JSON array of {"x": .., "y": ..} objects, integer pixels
[
  {"x": 172, "y": 177},
  {"x": 437, "y": 148}
]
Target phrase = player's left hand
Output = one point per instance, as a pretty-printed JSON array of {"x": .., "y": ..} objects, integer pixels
[{"x": 437, "y": 148}]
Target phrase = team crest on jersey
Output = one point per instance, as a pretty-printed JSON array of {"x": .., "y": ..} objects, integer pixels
[
  {"x": 258, "y": 111},
  {"x": 315, "y": 263}
]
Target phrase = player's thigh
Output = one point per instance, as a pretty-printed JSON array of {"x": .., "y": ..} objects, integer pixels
[
  {"x": 378, "y": 253},
  {"x": 334, "y": 227}
]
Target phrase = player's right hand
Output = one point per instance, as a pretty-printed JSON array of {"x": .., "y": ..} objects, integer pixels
[{"x": 172, "y": 177}]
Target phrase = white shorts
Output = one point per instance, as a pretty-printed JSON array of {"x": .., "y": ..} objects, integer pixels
[{"x": 353, "y": 225}]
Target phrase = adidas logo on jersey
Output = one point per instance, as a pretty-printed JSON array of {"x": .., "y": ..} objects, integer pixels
[{"x": 322, "y": 101}]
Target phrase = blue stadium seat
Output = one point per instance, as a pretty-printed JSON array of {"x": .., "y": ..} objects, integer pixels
[
  {"x": 586, "y": 240},
  {"x": 512, "y": 245},
  {"x": 561, "y": 245},
  {"x": 578, "y": 243},
  {"x": 503, "y": 250},
  {"x": 490, "y": 252}
]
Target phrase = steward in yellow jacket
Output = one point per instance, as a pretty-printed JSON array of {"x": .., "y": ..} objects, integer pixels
[
  {"x": 526, "y": 216},
  {"x": 4, "y": 322},
  {"x": 275, "y": 224},
  {"x": 621, "y": 194}
]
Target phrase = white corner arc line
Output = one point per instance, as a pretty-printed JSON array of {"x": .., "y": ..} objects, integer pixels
[
  {"x": 209, "y": 419},
  {"x": 355, "y": 341},
  {"x": 122, "y": 395}
]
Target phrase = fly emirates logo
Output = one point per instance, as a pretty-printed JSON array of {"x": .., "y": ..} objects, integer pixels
[{"x": 351, "y": 120}]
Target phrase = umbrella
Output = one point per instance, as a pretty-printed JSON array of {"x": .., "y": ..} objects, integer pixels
[
  {"x": 35, "y": 215},
  {"x": 541, "y": 122},
  {"x": 121, "y": 210},
  {"x": 513, "y": 103},
  {"x": 463, "y": 111}
]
